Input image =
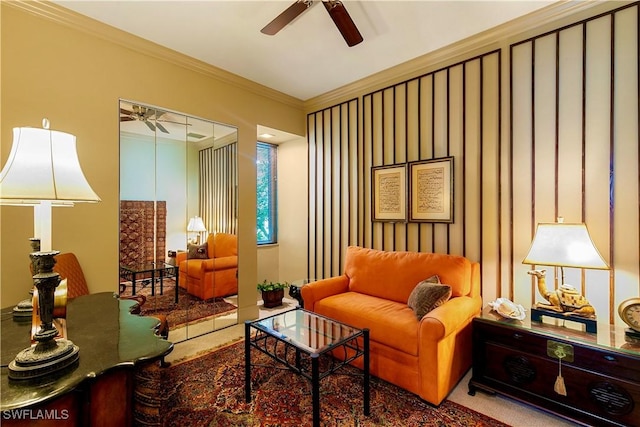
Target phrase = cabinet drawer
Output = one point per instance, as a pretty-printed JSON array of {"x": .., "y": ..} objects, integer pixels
[
  {"x": 526, "y": 342},
  {"x": 596, "y": 359},
  {"x": 588, "y": 392}
]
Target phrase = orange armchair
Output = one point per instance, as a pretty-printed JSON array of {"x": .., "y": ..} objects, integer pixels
[{"x": 213, "y": 276}]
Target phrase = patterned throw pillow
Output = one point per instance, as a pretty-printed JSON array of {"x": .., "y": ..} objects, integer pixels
[
  {"x": 197, "y": 251},
  {"x": 428, "y": 295}
]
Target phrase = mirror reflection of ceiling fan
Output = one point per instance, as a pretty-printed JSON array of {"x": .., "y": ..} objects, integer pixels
[
  {"x": 336, "y": 11},
  {"x": 149, "y": 116},
  {"x": 143, "y": 114}
]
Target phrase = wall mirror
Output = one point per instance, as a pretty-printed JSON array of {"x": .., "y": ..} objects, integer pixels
[{"x": 178, "y": 218}]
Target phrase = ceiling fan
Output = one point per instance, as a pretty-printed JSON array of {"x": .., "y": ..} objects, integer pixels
[
  {"x": 143, "y": 114},
  {"x": 336, "y": 10}
]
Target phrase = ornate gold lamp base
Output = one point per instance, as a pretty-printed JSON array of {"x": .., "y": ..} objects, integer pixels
[{"x": 49, "y": 354}]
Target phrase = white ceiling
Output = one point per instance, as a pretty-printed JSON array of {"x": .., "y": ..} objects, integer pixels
[{"x": 308, "y": 57}]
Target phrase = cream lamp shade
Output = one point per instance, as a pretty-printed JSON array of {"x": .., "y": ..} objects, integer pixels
[
  {"x": 43, "y": 165},
  {"x": 43, "y": 171},
  {"x": 564, "y": 245},
  {"x": 196, "y": 225}
]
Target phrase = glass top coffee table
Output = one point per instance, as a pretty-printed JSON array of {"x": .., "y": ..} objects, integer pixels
[
  {"x": 298, "y": 339},
  {"x": 148, "y": 273}
]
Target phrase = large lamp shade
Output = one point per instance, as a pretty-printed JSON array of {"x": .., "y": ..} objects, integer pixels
[
  {"x": 564, "y": 245},
  {"x": 43, "y": 165}
]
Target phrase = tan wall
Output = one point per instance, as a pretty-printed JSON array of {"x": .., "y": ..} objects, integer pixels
[
  {"x": 73, "y": 71},
  {"x": 292, "y": 210}
]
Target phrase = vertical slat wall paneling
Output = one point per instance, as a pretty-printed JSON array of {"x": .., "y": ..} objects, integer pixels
[
  {"x": 627, "y": 179},
  {"x": 573, "y": 149},
  {"x": 469, "y": 165},
  {"x": 218, "y": 188},
  {"x": 521, "y": 168},
  {"x": 412, "y": 135},
  {"x": 330, "y": 194},
  {"x": 455, "y": 148},
  {"x": 484, "y": 194},
  {"x": 441, "y": 146},
  {"x": 312, "y": 231},
  {"x": 327, "y": 195},
  {"x": 453, "y": 111},
  {"x": 426, "y": 143},
  {"x": 335, "y": 203}
]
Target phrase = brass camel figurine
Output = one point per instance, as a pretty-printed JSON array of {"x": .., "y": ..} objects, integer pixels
[{"x": 564, "y": 300}]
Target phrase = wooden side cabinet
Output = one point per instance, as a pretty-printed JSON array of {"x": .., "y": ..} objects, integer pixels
[{"x": 519, "y": 359}]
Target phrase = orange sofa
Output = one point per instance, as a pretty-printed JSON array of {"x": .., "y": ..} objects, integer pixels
[
  {"x": 214, "y": 275},
  {"x": 426, "y": 356}
]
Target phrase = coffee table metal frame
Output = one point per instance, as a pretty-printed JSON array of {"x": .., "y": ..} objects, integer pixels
[
  {"x": 158, "y": 270},
  {"x": 283, "y": 346}
]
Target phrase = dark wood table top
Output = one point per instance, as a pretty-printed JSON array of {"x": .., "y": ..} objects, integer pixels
[{"x": 107, "y": 334}]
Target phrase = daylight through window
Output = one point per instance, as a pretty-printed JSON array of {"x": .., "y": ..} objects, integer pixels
[{"x": 266, "y": 163}]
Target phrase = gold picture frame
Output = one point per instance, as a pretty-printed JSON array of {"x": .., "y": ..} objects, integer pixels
[
  {"x": 431, "y": 190},
  {"x": 389, "y": 187}
]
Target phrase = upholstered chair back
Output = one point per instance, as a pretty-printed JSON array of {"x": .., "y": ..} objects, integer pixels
[{"x": 68, "y": 267}]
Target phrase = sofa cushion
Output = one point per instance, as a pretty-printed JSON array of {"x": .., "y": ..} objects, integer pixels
[
  {"x": 428, "y": 295},
  {"x": 225, "y": 245},
  {"x": 392, "y": 275},
  {"x": 197, "y": 251},
  {"x": 391, "y": 323}
]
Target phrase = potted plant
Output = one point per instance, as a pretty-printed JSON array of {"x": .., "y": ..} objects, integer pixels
[{"x": 272, "y": 293}]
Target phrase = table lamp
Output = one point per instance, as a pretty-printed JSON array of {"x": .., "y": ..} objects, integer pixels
[
  {"x": 43, "y": 171},
  {"x": 563, "y": 245},
  {"x": 196, "y": 225}
]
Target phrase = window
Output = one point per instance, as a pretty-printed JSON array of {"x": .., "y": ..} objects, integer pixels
[{"x": 267, "y": 218}]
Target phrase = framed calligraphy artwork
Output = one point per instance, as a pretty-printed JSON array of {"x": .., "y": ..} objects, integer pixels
[
  {"x": 389, "y": 201},
  {"x": 431, "y": 190}
]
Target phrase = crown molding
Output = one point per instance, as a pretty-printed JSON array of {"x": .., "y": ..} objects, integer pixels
[
  {"x": 69, "y": 18},
  {"x": 483, "y": 42}
]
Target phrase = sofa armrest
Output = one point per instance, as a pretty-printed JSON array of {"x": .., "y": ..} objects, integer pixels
[
  {"x": 225, "y": 262},
  {"x": 449, "y": 317},
  {"x": 221, "y": 263},
  {"x": 315, "y": 291},
  {"x": 181, "y": 256}
]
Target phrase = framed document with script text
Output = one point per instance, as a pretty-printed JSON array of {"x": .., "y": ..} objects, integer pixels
[
  {"x": 389, "y": 186},
  {"x": 431, "y": 190}
]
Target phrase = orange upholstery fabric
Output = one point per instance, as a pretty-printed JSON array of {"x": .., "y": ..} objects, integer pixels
[
  {"x": 215, "y": 276},
  {"x": 68, "y": 267},
  {"x": 427, "y": 356}
]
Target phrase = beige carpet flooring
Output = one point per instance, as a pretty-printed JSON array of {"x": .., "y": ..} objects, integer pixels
[{"x": 504, "y": 409}]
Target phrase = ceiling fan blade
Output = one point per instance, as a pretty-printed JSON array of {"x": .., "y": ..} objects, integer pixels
[
  {"x": 162, "y": 128},
  {"x": 148, "y": 112},
  {"x": 150, "y": 125},
  {"x": 127, "y": 112},
  {"x": 343, "y": 21},
  {"x": 174, "y": 122},
  {"x": 286, "y": 17},
  {"x": 126, "y": 119}
]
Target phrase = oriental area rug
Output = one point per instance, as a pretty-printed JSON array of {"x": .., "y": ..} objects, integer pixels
[
  {"x": 188, "y": 309},
  {"x": 209, "y": 391}
]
